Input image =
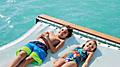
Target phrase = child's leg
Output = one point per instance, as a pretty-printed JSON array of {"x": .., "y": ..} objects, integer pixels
[
  {"x": 59, "y": 62},
  {"x": 70, "y": 64},
  {"x": 18, "y": 59},
  {"x": 26, "y": 61}
]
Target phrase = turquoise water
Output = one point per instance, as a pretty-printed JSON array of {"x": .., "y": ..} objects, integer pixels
[{"x": 18, "y": 16}]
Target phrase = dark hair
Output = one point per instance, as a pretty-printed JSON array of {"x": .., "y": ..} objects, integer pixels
[
  {"x": 94, "y": 42},
  {"x": 70, "y": 30}
]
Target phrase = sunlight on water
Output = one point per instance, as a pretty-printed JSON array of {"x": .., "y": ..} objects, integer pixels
[{"x": 18, "y": 16}]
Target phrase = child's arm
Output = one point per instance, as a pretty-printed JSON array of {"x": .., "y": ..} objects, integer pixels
[
  {"x": 52, "y": 48},
  {"x": 88, "y": 59},
  {"x": 42, "y": 35}
]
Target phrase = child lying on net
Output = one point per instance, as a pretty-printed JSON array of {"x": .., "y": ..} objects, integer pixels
[
  {"x": 77, "y": 55},
  {"x": 36, "y": 51}
]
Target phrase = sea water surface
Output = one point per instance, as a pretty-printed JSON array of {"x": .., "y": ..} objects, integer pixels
[{"x": 18, "y": 16}]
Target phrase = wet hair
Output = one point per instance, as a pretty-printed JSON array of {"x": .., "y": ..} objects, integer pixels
[
  {"x": 94, "y": 43},
  {"x": 70, "y": 30}
]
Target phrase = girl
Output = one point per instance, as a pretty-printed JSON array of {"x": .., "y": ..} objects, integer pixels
[{"x": 79, "y": 54}]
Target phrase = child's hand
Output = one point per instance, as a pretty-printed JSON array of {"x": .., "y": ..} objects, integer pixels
[
  {"x": 40, "y": 36},
  {"x": 85, "y": 65},
  {"x": 46, "y": 35},
  {"x": 55, "y": 61},
  {"x": 43, "y": 35}
]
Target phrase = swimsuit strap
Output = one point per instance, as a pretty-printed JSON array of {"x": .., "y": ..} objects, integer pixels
[{"x": 76, "y": 49}]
